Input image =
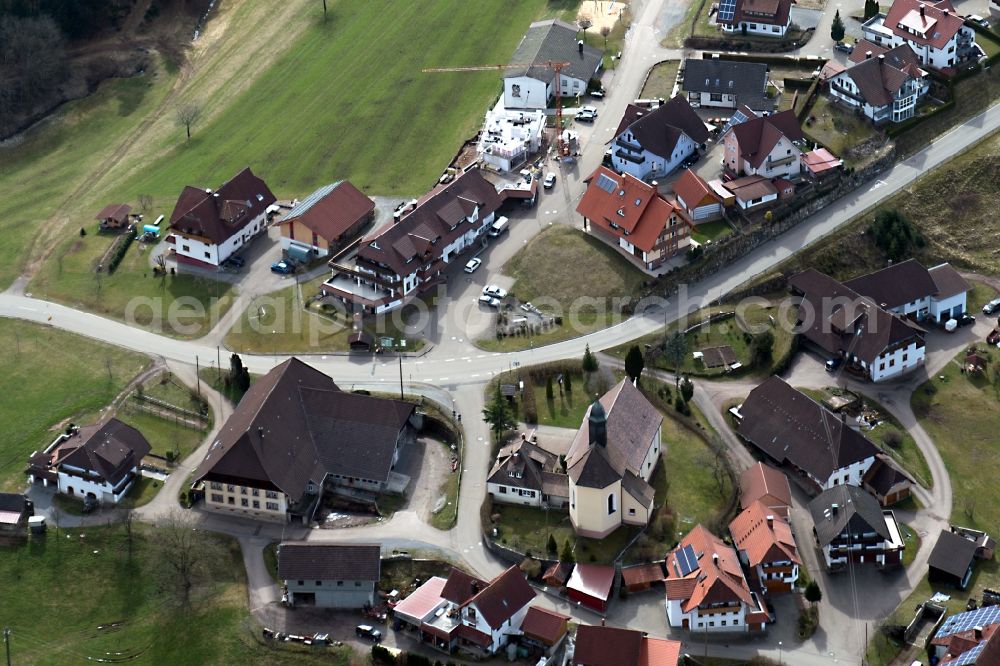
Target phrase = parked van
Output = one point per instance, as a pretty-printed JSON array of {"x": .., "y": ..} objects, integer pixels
[{"x": 499, "y": 227}]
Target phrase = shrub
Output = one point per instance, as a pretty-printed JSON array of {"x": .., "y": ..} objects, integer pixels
[
  {"x": 893, "y": 439},
  {"x": 761, "y": 349},
  {"x": 687, "y": 391},
  {"x": 381, "y": 655},
  {"x": 123, "y": 244},
  {"x": 894, "y": 234},
  {"x": 551, "y": 546}
]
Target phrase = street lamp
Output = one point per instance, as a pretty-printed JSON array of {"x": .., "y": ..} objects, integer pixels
[{"x": 779, "y": 653}]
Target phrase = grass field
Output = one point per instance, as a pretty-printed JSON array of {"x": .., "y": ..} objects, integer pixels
[
  {"x": 660, "y": 80},
  {"x": 547, "y": 273},
  {"x": 838, "y": 129},
  {"x": 91, "y": 582},
  {"x": 711, "y": 231},
  {"x": 50, "y": 378}
]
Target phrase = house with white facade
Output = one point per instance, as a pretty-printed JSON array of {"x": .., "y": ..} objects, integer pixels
[
  {"x": 633, "y": 217},
  {"x": 796, "y": 432},
  {"x": 329, "y": 575},
  {"x": 529, "y": 83},
  {"x": 909, "y": 290},
  {"x": 510, "y": 137},
  {"x": 464, "y": 614},
  {"x": 764, "y": 541},
  {"x": 696, "y": 199},
  {"x": 766, "y": 146},
  {"x": 726, "y": 84},
  {"x": 610, "y": 463},
  {"x": 207, "y": 227},
  {"x": 524, "y": 473},
  {"x": 706, "y": 590},
  {"x": 872, "y": 341},
  {"x": 409, "y": 254},
  {"x": 934, "y": 30},
  {"x": 770, "y": 18},
  {"x": 751, "y": 192},
  {"x": 851, "y": 527},
  {"x": 98, "y": 462},
  {"x": 296, "y": 435},
  {"x": 652, "y": 143},
  {"x": 884, "y": 85}
]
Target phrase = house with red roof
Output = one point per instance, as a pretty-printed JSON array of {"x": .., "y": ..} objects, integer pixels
[
  {"x": 652, "y": 143},
  {"x": 696, "y": 199},
  {"x": 971, "y": 638},
  {"x": 706, "y": 590},
  {"x": 633, "y": 217},
  {"x": 755, "y": 17},
  {"x": 209, "y": 226},
  {"x": 611, "y": 646},
  {"x": 544, "y": 629},
  {"x": 934, "y": 30},
  {"x": 884, "y": 85},
  {"x": 591, "y": 585},
  {"x": 767, "y": 485},
  {"x": 325, "y": 221},
  {"x": 766, "y": 146},
  {"x": 766, "y": 546}
]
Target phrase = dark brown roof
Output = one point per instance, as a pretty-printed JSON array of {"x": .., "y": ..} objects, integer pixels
[
  {"x": 952, "y": 554},
  {"x": 13, "y": 502},
  {"x": 503, "y": 597},
  {"x": 117, "y": 212},
  {"x": 883, "y": 475},
  {"x": 543, "y": 625},
  {"x": 606, "y": 646},
  {"x": 857, "y": 512},
  {"x": 220, "y": 215},
  {"x": 332, "y": 210},
  {"x": 895, "y": 285},
  {"x": 947, "y": 281},
  {"x": 111, "y": 450},
  {"x": 461, "y": 587},
  {"x": 758, "y": 136},
  {"x": 641, "y": 574},
  {"x": 880, "y": 77},
  {"x": 295, "y": 425},
  {"x": 659, "y": 130},
  {"x": 314, "y": 561},
  {"x": 524, "y": 465},
  {"x": 751, "y": 187},
  {"x": 558, "y": 572},
  {"x": 420, "y": 235},
  {"x": 791, "y": 427},
  {"x": 771, "y": 12}
]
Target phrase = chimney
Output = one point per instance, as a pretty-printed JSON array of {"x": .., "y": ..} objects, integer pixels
[
  {"x": 881, "y": 57},
  {"x": 260, "y": 431},
  {"x": 921, "y": 10},
  {"x": 524, "y": 438},
  {"x": 603, "y": 622},
  {"x": 579, "y": 44},
  {"x": 598, "y": 424},
  {"x": 770, "y": 522},
  {"x": 978, "y": 632},
  {"x": 834, "y": 508},
  {"x": 868, "y": 55}
]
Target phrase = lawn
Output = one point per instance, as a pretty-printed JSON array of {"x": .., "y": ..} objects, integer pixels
[
  {"x": 711, "y": 231},
  {"x": 164, "y": 435},
  {"x": 660, "y": 80},
  {"x": 102, "y": 605},
  {"x": 527, "y": 529},
  {"x": 446, "y": 517},
  {"x": 547, "y": 273},
  {"x": 49, "y": 379},
  {"x": 838, "y": 129},
  {"x": 566, "y": 409}
]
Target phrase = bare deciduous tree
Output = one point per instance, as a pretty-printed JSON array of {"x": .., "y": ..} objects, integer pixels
[
  {"x": 187, "y": 115},
  {"x": 605, "y": 31},
  {"x": 185, "y": 554},
  {"x": 145, "y": 202},
  {"x": 584, "y": 22}
]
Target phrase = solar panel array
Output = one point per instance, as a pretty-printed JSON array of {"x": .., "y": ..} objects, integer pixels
[
  {"x": 981, "y": 617},
  {"x": 736, "y": 119},
  {"x": 727, "y": 10},
  {"x": 969, "y": 658},
  {"x": 606, "y": 183},
  {"x": 687, "y": 560}
]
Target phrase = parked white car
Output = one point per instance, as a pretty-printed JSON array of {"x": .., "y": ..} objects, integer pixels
[
  {"x": 486, "y": 299},
  {"x": 473, "y": 265},
  {"x": 495, "y": 291}
]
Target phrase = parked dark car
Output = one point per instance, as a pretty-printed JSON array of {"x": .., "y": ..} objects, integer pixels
[
  {"x": 237, "y": 261},
  {"x": 369, "y": 632},
  {"x": 833, "y": 363},
  {"x": 843, "y": 48},
  {"x": 282, "y": 267},
  {"x": 966, "y": 320}
]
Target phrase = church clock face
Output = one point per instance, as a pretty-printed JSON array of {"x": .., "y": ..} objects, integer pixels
[{"x": 515, "y": 90}]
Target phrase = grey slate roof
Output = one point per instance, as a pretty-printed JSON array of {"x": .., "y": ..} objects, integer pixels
[
  {"x": 659, "y": 130},
  {"x": 554, "y": 40},
  {"x": 857, "y": 512},
  {"x": 12, "y": 502},
  {"x": 311, "y": 561},
  {"x": 533, "y": 468},
  {"x": 746, "y": 80},
  {"x": 895, "y": 285},
  {"x": 952, "y": 554}
]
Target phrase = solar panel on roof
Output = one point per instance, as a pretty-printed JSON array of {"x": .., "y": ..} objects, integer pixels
[
  {"x": 687, "y": 560},
  {"x": 606, "y": 183},
  {"x": 727, "y": 9},
  {"x": 966, "y": 621}
]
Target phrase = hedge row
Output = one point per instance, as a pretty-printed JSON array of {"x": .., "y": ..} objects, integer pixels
[{"x": 124, "y": 242}]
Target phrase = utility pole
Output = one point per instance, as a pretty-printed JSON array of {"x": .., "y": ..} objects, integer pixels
[
  {"x": 399, "y": 353},
  {"x": 6, "y": 642},
  {"x": 218, "y": 355},
  {"x": 197, "y": 374}
]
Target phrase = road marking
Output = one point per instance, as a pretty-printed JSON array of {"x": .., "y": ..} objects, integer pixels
[
  {"x": 466, "y": 358},
  {"x": 448, "y": 360},
  {"x": 443, "y": 379},
  {"x": 475, "y": 375}
]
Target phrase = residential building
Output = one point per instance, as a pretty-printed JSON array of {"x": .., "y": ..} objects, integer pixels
[
  {"x": 767, "y": 485},
  {"x": 114, "y": 216},
  {"x": 410, "y": 253},
  {"x": 591, "y": 585},
  {"x": 951, "y": 562},
  {"x": 726, "y": 84},
  {"x": 934, "y": 30},
  {"x": 632, "y": 216},
  {"x": 467, "y": 614},
  {"x": 98, "y": 462},
  {"x": 510, "y": 137},
  {"x": 910, "y": 290},
  {"x": 872, "y": 341},
  {"x": 652, "y": 143},
  {"x": 968, "y": 639},
  {"x": 852, "y": 528},
  {"x": 525, "y": 473},
  {"x": 296, "y": 435},
  {"x": 766, "y": 546},
  {"x": 208, "y": 227},
  {"x": 886, "y": 482},
  {"x": 752, "y": 192},
  {"x": 706, "y": 591},
  {"x": 696, "y": 199},
  {"x": 611, "y": 646},
  {"x": 883, "y": 87},
  {"x": 329, "y": 575},
  {"x": 544, "y": 630},
  {"x": 15, "y": 509},
  {"x": 766, "y": 146},
  {"x": 795, "y": 431},
  {"x": 533, "y": 83},
  {"x": 611, "y": 461},
  {"x": 325, "y": 221},
  {"x": 770, "y": 18}
]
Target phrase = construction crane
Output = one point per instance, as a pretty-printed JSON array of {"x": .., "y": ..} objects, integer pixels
[{"x": 556, "y": 66}]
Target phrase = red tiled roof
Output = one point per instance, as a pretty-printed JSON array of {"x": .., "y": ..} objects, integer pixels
[
  {"x": 543, "y": 625},
  {"x": 461, "y": 587},
  {"x": 611, "y": 646},
  {"x": 765, "y": 483},
  {"x": 763, "y": 543},
  {"x": 758, "y": 136},
  {"x": 934, "y": 23},
  {"x": 718, "y": 577},
  {"x": 693, "y": 190},
  {"x": 503, "y": 597},
  {"x": 659, "y": 652},
  {"x": 332, "y": 211},
  {"x": 473, "y": 635},
  {"x": 594, "y": 580},
  {"x": 642, "y": 573}
]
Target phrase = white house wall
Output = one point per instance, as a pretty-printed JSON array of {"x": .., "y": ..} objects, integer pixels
[
  {"x": 207, "y": 252},
  {"x": 533, "y": 94},
  {"x": 512, "y": 495},
  {"x": 949, "y": 307},
  {"x": 757, "y": 28},
  {"x": 893, "y": 364},
  {"x": 850, "y": 475},
  {"x": 83, "y": 487}
]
